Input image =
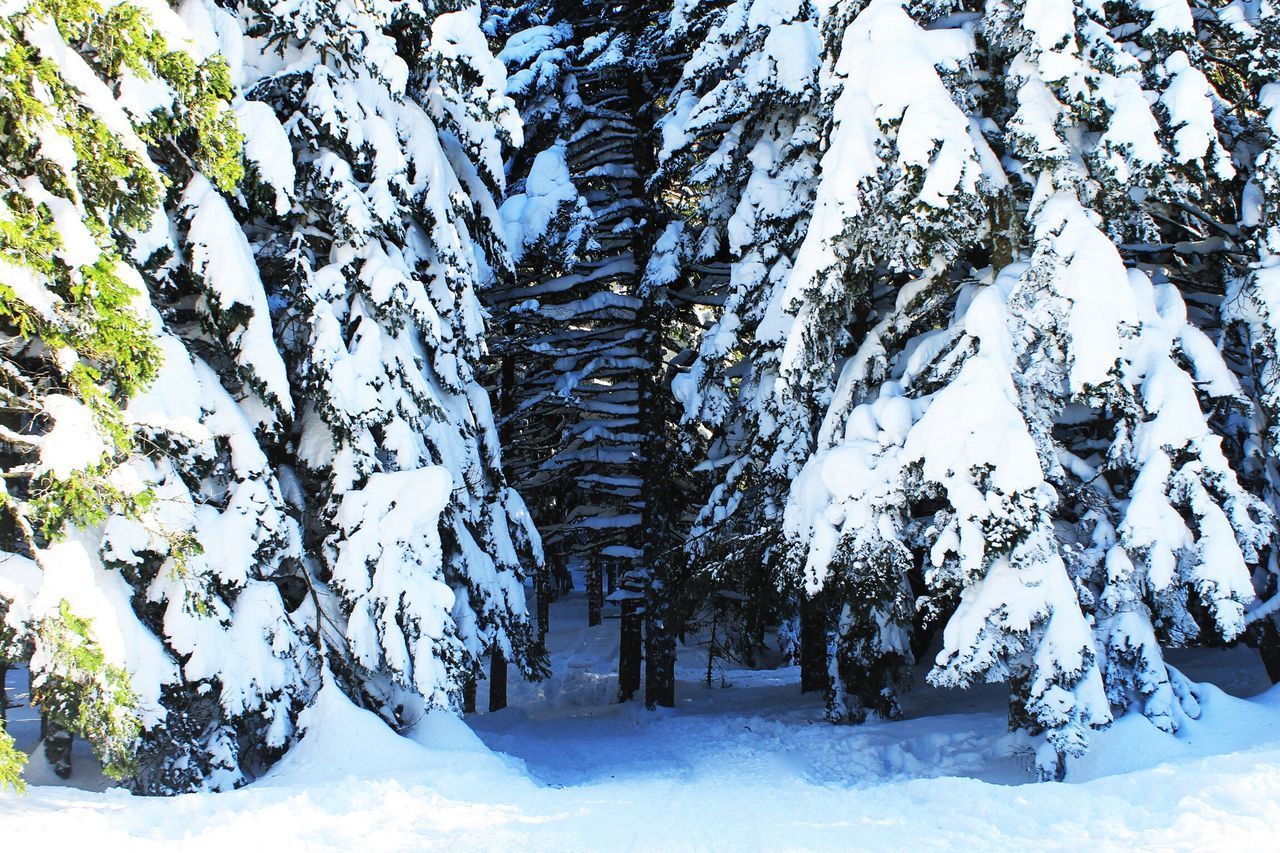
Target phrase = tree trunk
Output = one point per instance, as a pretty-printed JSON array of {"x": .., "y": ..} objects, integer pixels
[
  {"x": 564, "y": 579},
  {"x": 4, "y": 695},
  {"x": 813, "y": 645},
  {"x": 660, "y": 646},
  {"x": 497, "y": 680},
  {"x": 57, "y": 747},
  {"x": 755, "y": 617},
  {"x": 469, "y": 695},
  {"x": 657, "y": 491},
  {"x": 506, "y": 410},
  {"x": 711, "y": 643},
  {"x": 1269, "y": 647},
  {"x": 629, "y": 650},
  {"x": 542, "y": 590},
  {"x": 595, "y": 592}
]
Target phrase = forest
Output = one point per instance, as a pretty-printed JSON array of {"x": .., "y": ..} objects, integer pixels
[{"x": 350, "y": 348}]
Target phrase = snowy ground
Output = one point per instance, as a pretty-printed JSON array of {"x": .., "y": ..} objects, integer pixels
[{"x": 749, "y": 766}]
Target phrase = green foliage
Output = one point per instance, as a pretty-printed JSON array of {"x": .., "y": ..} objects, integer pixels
[
  {"x": 203, "y": 93},
  {"x": 20, "y": 73},
  {"x": 114, "y": 181},
  {"x": 95, "y": 318},
  {"x": 75, "y": 187},
  {"x": 28, "y": 237},
  {"x": 125, "y": 41},
  {"x": 183, "y": 546},
  {"x": 119, "y": 337},
  {"x": 85, "y": 694},
  {"x": 11, "y": 761},
  {"x": 87, "y": 382},
  {"x": 84, "y": 499}
]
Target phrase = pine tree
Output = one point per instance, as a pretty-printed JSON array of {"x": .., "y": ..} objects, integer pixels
[
  {"x": 886, "y": 250},
  {"x": 1046, "y": 401},
  {"x": 146, "y": 523},
  {"x": 590, "y": 323},
  {"x": 552, "y": 354},
  {"x": 1242, "y": 37},
  {"x": 743, "y": 132},
  {"x": 396, "y": 118},
  {"x": 572, "y": 315}
]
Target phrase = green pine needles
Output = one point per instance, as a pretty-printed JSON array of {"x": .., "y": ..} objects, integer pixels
[
  {"x": 12, "y": 761},
  {"x": 83, "y": 693}
]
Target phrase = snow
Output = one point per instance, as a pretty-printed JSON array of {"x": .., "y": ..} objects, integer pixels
[
  {"x": 388, "y": 563},
  {"x": 19, "y": 580},
  {"x": 1188, "y": 98},
  {"x": 73, "y": 573},
  {"x": 932, "y": 138},
  {"x": 29, "y": 289},
  {"x": 527, "y": 216},
  {"x": 222, "y": 259},
  {"x": 74, "y": 442},
  {"x": 397, "y": 324},
  {"x": 267, "y": 148},
  {"x": 749, "y": 766},
  {"x": 1094, "y": 278}
]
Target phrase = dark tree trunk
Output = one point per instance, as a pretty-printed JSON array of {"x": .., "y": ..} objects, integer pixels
[
  {"x": 564, "y": 579},
  {"x": 629, "y": 650},
  {"x": 497, "y": 680},
  {"x": 756, "y": 616},
  {"x": 506, "y": 411},
  {"x": 660, "y": 646},
  {"x": 542, "y": 590},
  {"x": 657, "y": 483},
  {"x": 57, "y": 747},
  {"x": 595, "y": 592},
  {"x": 469, "y": 695},
  {"x": 813, "y": 645},
  {"x": 1269, "y": 647},
  {"x": 4, "y": 695}
]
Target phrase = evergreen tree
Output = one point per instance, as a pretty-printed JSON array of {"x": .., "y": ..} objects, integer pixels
[
  {"x": 568, "y": 443},
  {"x": 1242, "y": 38},
  {"x": 396, "y": 118},
  {"x": 743, "y": 133},
  {"x": 572, "y": 315},
  {"x": 146, "y": 526},
  {"x": 1001, "y": 443},
  {"x": 590, "y": 324},
  {"x": 877, "y": 260}
]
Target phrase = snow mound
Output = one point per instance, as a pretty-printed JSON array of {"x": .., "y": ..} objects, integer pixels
[
  {"x": 342, "y": 742},
  {"x": 1226, "y": 725}
]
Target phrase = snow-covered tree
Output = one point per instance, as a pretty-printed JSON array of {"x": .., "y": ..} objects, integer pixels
[
  {"x": 569, "y": 440},
  {"x": 395, "y": 118},
  {"x": 743, "y": 132},
  {"x": 1242, "y": 37},
  {"x": 887, "y": 249},
  {"x": 573, "y": 313},
  {"x": 146, "y": 526},
  {"x": 1019, "y": 413},
  {"x": 589, "y": 323}
]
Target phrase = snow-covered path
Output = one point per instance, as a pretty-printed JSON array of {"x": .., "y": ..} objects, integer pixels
[{"x": 742, "y": 768}]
